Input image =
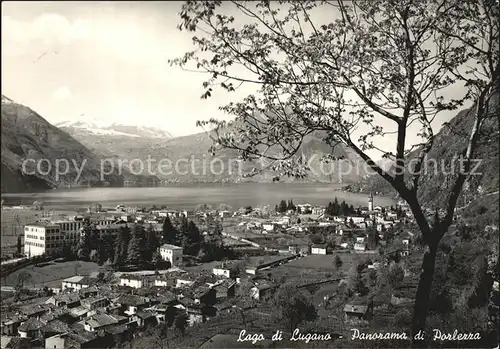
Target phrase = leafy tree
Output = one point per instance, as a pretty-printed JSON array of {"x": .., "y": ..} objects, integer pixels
[
  {"x": 76, "y": 267},
  {"x": 37, "y": 205},
  {"x": 152, "y": 243},
  {"x": 378, "y": 60},
  {"x": 137, "y": 246},
  {"x": 94, "y": 256},
  {"x": 373, "y": 239},
  {"x": 395, "y": 275},
  {"x": 84, "y": 246},
  {"x": 294, "y": 306},
  {"x": 122, "y": 241},
  {"x": 290, "y": 205},
  {"x": 19, "y": 245},
  {"x": 97, "y": 207},
  {"x": 338, "y": 262},
  {"x": 169, "y": 232},
  {"x": 157, "y": 260},
  {"x": 181, "y": 322},
  {"x": 282, "y": 206},
  {"x": 191, "y": 240},
  {"x": 22, "y": 278}
]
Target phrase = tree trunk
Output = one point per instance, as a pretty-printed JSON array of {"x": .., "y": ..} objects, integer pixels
[{"x": 422, "y": 300}]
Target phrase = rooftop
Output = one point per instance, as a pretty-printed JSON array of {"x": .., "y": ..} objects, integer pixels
[
  {"x": 31, "y": 324},
  {"x": 170, "y": 247},
  {"x": 360, "y": 309},
  {"x": 42, "y": 224}
]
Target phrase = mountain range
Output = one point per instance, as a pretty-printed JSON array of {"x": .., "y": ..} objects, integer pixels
[
  {"x": 29, "y": 139},
  {"x": 186, "y": 159}
]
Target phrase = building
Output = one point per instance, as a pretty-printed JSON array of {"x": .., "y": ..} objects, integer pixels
[
  {"x": 355, "y": 314},
  {"x": 135, "y": 281},
  {"x": 226, "y": 270},
  {"x": 268, "y": 226},
  {"x": 370, "y": 203},
  {"x": 70, "y": 228},
  {"x": 77, "y": 282},
  {"x": 42, "y": 238},
  {"x": 30, "y": 328},
  {"x": 171, "y": 253},
  {"x": 318, "y": 211},
  {"x": 263, "y": 291},
  {"x": 304, "y": 208},
  {"x": 225, "y": 214},
  {"x": 319, "y": 249},
  {"x": 112, "y": 229},
  {"x": 359, "y": 246}
]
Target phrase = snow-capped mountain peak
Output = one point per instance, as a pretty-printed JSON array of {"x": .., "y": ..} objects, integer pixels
[{"x": 99, "y": 127}]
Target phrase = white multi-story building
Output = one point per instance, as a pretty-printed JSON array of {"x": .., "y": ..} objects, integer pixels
[
  {"x": 171, "y": 253},
  {"x": 70, "y": 229},
  {"x": 135, "y": 281},
  {"x": 42, "y": 238}
]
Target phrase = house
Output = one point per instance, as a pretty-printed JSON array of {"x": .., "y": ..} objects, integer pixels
[
  {"x": 263, "y": 291},
  {"x": 100, "y": 321},
  {"x": 318, "y": 211},
  {"x": 225, "y": 289},
  {"x": 135, "y": 281},
  {"x": 304, "y": 208},
  {"x": 126, "y": 218},
  {"x": 357, "y": 313},
  {"x": 194, "y": 312},
  {"x": 30, "y": 328},
  {"x": 268, "y": 227},
  {"x": 87, "y": 292},
  {"x": 319, "y": 249},
  {"x": 184, "y": 281},
  {"x": 68, "y": 300},
  {"x": 8, "y": 342},
  {"x": 356, "y": 220},
  {"x": 144, "y": 318},
  {"x": 9, "y": 326},
  {"x": 78, "y": 313},
  {"x": 34, "y": 311},
  {"x": 95, "y": 303},
  {"x": 205, "y": 295},
  {"x": 131, "y": 304},
  {"x": 225, "y": 214},
  {"x": 57, "y": 341},
  {"x": 171, "y": 253},
  {"x": 54, "y": 327},
  {"x": 77, "y": 282},
  {"x": 359, "y": 246}
]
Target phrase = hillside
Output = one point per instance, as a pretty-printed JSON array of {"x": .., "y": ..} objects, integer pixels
[
  {"x": 27, "y": 135},
  {"x": 452, "y": 140},
  {"x": 110, "y": 139}
]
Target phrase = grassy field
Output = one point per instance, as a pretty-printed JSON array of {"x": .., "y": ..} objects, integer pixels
[
  {"x": 324, "y": 262},
  {"x": 51, "y": 275}
]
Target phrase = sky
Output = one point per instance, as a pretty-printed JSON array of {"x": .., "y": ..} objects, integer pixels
[{"x": 107, "y": 61}]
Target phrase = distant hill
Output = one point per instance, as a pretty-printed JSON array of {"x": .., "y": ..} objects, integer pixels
[
  {"x": 27, "y": 135},
  {"x": 451, "y": 140},
  {"x": 193, "y": 159},
  {"x": 111, "y": 138}
]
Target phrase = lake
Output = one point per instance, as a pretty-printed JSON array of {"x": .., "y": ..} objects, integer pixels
[{"x": 234, "y": 195}]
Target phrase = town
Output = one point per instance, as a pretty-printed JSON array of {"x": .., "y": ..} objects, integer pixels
[{"x": 181, "y": 269}]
